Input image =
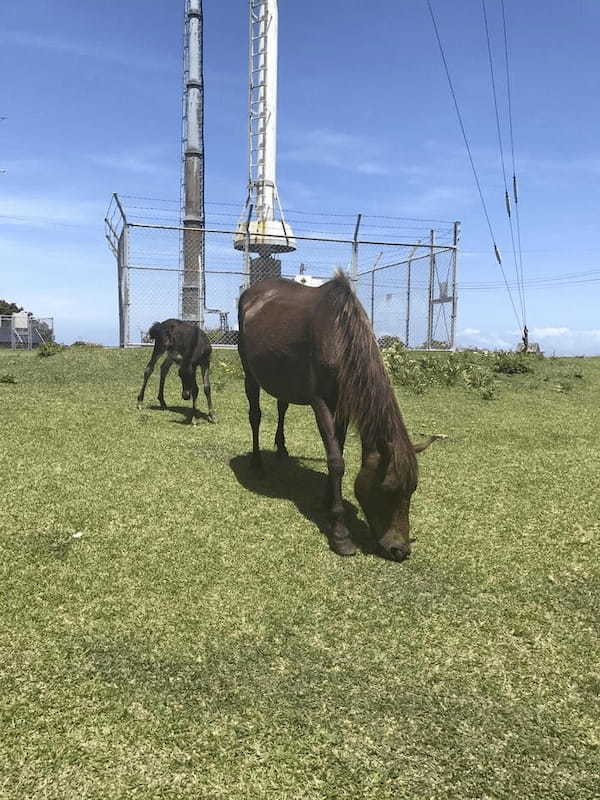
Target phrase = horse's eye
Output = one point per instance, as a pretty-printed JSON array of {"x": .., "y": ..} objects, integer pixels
[{"x": 390, "y": 483}]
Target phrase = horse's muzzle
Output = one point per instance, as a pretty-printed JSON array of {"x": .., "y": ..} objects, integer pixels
[{"x": 399, "y": 553}]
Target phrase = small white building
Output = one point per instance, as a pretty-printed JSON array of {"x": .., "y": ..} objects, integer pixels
[{"x": 309, "y": 280}]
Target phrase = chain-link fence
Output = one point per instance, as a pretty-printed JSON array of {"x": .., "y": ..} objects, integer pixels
[
  {"x": 24, "y": 331},
  {"x": 406, "y": 287}
]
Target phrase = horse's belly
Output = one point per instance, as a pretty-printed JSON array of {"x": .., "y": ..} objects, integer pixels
[{"x": 285, "y": 380}]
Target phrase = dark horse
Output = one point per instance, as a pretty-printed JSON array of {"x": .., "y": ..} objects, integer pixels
[
  {"x": 186, "y": 344},
  {"x": 315, "y": 346}
]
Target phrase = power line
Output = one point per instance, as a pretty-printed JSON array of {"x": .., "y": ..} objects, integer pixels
[
  {"x": 502, "y": 162},
  {"x": 542, "y": 281},
  {"x": 512, "y": 148},
  {"x": 469, "y": 153}
]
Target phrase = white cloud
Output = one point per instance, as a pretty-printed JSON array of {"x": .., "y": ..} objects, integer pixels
[
  {"x": 337, "y": 149},
  {"x": 145, "y": 161},
  {"x": 86, "y": 50},
  {"x": 41, "y": 212},
  {"x": 558, "y": 340},
  {"x": 545, "y": 333},
  {"x": 432, "y": 201}
]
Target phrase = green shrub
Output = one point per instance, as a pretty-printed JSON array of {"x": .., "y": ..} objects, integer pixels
[
  {"x": 80, "y": 343},
  {"x": 389, "y": 341},
  {"x": 472, "y": 371},
  {"x": 50, "y": 349},
  {"x": 511, "y": 363}
]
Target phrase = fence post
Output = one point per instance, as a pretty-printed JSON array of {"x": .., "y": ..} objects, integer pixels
[
  {"x": 454, "y": 295},
  {"x": 354, "y": 266},
  {"x": 431, "y": 281},
  {"x": 408, "y": 300},
  {"x": 123, "y": 275},
  {"x": 373, "y": 299},
  {"x": 247, "y": 245},
  {"x": 123, "y": 281}
]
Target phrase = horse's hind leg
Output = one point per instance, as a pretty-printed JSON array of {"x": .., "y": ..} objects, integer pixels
[
  {"x": 340, "y": 538},
  {"x": 156, "y": 354},
  {"x": 282, "y": 407},
  {"x": 254, "y": 415},
  {"x": 164, "y": 371},
  {"x": 194, "y": 387},
  {"x": 206, "y": 381}
]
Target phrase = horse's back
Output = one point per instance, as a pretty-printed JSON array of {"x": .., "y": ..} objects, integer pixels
[
  {"x": 276, "y": 345},
  {"x": 187, "y": 340}
]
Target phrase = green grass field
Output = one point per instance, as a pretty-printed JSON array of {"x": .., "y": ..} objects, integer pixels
[{"x": 172, "y": 627}]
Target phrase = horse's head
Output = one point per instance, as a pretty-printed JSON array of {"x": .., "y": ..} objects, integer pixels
[
  {"x": 187, "y": 381},
  {"x": 384, "y": 487}
]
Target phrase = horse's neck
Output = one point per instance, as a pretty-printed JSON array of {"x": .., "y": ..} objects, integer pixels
[{"x": 382, "y": 427}]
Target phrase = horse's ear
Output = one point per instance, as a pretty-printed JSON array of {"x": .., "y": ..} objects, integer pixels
[{"x": 418, "y": 448}]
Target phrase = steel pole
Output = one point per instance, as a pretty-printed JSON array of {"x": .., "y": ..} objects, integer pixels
[
  {"x": 454, "y": 289},
  {"x": 193, "y": 285},
  {"x": 354, "y": 265},
  {"x": 431, "y": 280}
]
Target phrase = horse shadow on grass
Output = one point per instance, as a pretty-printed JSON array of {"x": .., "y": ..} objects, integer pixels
[
  {"x": 183, "y": 410},
  {"x": 289, "y": 479}
]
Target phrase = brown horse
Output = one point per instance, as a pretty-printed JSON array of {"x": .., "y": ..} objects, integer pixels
[{"x": 315, "y": 346}]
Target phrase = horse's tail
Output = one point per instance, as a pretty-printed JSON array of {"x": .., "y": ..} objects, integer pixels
[
  {"x": 154, "y": 330},
  {"x": 365, "y": 396}
]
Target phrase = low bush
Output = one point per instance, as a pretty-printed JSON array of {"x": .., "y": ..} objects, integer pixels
[
  {"x": 511, "y": 363},
  {"x": 389, "y": 341},
  {"x": 50, "y": 349},
  {"x": 420, "y": 373}
]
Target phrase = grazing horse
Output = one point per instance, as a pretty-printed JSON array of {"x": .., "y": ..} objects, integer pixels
[
  {"x": 315, "y": 346},
  {"x": 186, "y": 344}
]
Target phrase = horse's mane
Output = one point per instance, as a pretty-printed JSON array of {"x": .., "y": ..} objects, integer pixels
[{"x": 365, "y": 396}]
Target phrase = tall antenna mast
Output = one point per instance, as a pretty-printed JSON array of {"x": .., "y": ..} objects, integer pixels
[
  {"x": 192, "y": 299},
  {"x": 263, "y": 229}
]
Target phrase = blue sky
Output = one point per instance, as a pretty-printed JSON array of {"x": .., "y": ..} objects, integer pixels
[{"x": 91, "y": 92}]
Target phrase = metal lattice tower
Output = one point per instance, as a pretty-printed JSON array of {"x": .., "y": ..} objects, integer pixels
[
  {"x": 192, "y": 296},
  {"x": 264, "y": 226}
]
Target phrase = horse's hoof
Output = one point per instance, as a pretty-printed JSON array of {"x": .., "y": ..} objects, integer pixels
[
  {"x": 282, "y": 452},
  {"x": 193, "y": 421},
  {"x": 211, "y": 418},
  {"x": 343, "y": 547},
  {"x": 139, "y": 406}
]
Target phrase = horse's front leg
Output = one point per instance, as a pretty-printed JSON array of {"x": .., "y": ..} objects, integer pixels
[
  {"x": 341, "y": 429},
  {"x": 340, "y": 538},
  {"x": 164, "y": 371},
  {"x": 282, "y": 407},
  {"x": 156, "y": 354},
  {"x": 187, "y": 373}
]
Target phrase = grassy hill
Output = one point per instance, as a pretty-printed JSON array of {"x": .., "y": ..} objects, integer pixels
[{"x": 174, "y": 627}]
